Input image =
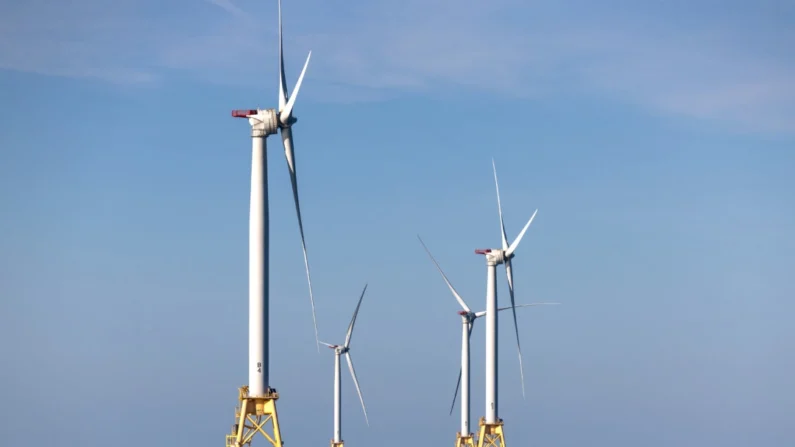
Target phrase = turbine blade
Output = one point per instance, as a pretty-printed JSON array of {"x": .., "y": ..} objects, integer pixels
[
  {"x": 356, "y": 382},
  {"x": 450, "y": 286},
  {"x": 515, "y": 243},
  {"x": 455, "y": 394},
  {"x": 509, "y": 272},
  {"x": 284, "y": 115},
  {"x": 353, "y": 320},
  {"x": 282, "y": 81},
  {"x": 287, "y": 139},
  {"x": 327, "y": 344},
  {"x": 524, "y": 305},
  {"x": 499, "y": 207}
]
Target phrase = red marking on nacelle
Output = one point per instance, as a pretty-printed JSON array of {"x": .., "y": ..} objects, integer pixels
[
  {"x": 482, "y": 251},
  {"x": 243, "y": 113},
  {"x": 463, "y": 313}
]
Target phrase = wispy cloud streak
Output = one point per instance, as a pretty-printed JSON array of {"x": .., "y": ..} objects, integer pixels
[
  {"x": 229, "y": 7},
  {"x": 716, "y": 60}
]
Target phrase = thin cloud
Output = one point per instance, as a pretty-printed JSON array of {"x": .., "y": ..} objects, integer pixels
[
  {"x": 229, "y": 7},
  {"x": 706, "y": 64},
  {"x": 710, "y": 74}
]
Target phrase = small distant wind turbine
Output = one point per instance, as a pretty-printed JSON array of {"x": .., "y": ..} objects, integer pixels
[
  {"x": 468, "y": 317},
  {"x": 491, "y": 431},
  {"x": 338, "y": 351}
]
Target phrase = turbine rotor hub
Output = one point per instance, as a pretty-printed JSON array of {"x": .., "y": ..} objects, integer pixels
[
  {"x": 468, "y": 317},
  {"x": 287, "y": 122}
]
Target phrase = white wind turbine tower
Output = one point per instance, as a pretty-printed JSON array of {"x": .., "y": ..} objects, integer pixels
[
  {"x": 257, "y": 400},
  {"x": 337, "y": 441},
  {"x": 464, "y": 437},
  {"x": 491, "y": 426}
]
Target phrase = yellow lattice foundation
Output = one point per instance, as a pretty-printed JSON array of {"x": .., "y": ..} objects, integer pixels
[
  {"x": 490, "y": 435},
  {"x": 253, "y": 416},
  {"x": 337, "y": 444},
  {"x": 464, "y": 441}
]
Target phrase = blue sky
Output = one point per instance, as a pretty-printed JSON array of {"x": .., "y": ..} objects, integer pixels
[{"x": 656, "y": 140}]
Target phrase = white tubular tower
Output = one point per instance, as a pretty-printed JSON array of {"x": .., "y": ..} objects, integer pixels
[
  {"x": 258, "y": 271},
  {"x": 465, "y": 387},
  {"x": 337, "y": 399},
  {"x": 263, "y": 123},
  {"x": 491, "y": 342}
]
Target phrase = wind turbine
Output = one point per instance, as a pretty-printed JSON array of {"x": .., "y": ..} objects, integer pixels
[
  {"x": 491, "y": 426},
  {"x": 339, "y": 351},
  {"x": 257, "y": 400},
  {"x": 464, "y": 437}
]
